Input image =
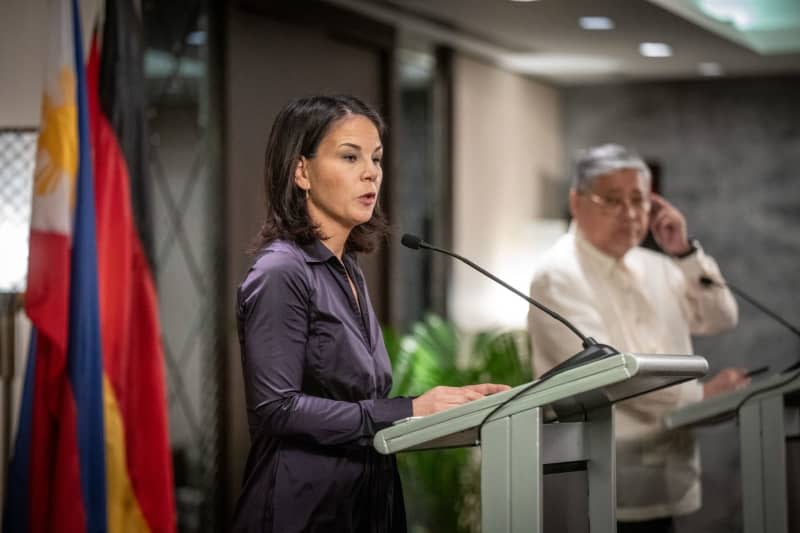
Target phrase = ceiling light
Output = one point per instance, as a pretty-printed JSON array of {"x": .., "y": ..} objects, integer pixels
[
  {"x": 655, "y": 49},
  {"x": 738, "y": 14},
  {"x": 560, "y": 64},
  {"x": 709, "y": 68},
  {"x": 596, "y": 23}
]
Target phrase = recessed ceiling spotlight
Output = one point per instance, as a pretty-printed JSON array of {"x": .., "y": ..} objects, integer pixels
[
  {"x": 709, "y": 68},
  {"x": 655, "y": 49},
  {"x": 596, "y": 23}
]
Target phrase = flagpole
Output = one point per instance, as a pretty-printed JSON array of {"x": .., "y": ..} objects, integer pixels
[{"x": 8, "y": 312}]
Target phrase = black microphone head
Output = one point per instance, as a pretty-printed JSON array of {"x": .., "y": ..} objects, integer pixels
[
  {"x": 411, "y": 241},
  {"x": 705, "y": 281}
]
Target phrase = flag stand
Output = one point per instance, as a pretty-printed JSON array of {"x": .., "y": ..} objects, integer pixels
[{"x": 8, "y": 311}]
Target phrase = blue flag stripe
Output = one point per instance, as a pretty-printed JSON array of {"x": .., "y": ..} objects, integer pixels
[{"x": 84, "y": 352}]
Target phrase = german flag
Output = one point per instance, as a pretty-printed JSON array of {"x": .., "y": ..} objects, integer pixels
[{"x": 92, "y": 450}]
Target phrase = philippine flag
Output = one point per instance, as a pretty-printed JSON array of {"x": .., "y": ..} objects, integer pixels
[{"x": 91, "y": 452}]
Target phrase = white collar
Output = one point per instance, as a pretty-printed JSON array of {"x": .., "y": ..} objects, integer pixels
[{"x": 601, "y": 262}]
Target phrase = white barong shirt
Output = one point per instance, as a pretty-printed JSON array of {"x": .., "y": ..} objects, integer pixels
[{"x": 644, "y": 303}]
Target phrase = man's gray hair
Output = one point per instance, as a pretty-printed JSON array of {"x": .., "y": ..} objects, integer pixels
[{"x": 597, "y": 161}]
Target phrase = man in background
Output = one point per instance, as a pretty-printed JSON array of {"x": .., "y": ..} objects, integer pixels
[{"x": 635, "y": 300}]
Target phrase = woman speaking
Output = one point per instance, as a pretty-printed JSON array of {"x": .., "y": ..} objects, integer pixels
[{"x": 316, "y": 370}]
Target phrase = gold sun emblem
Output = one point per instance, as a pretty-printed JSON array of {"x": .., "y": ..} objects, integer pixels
[{"x": 58, "y": 139}]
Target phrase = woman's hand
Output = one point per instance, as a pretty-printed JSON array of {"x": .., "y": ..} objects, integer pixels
[
  {"x": 441, "y": 397},
  {"x": 729, "y": 379}
]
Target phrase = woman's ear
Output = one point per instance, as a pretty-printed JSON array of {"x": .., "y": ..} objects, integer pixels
[{"x": 301, "y": 174}]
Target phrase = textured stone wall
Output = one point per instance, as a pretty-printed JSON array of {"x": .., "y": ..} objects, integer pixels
[{"x": 729, "y": 152}]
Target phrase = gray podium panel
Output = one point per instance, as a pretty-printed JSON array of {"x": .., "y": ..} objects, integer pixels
[
  {"x": 724, "y": 406},
  {"x": 768, "y": 412},
  {"x": 516, "y": 443}
]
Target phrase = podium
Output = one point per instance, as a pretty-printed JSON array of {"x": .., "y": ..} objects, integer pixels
[
  {"x": 768, "y": 412},
  {"x": 564, "y": 423}
]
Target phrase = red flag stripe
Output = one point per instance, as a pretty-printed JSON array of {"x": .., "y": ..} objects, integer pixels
[{"x": 133, "y": 354}]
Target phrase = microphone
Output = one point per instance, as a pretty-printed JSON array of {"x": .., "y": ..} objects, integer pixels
[
  {"x": 592, "y": 350},
  {"x": 706, "y": 281}
]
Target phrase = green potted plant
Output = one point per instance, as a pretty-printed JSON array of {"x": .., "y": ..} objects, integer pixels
[{"x": 442, "y": 487}]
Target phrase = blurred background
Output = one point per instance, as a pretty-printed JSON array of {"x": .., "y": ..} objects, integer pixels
[{"x": 486, "y": 101}]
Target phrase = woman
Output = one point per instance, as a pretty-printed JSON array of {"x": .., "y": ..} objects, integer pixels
[{"x": 315, "y": 367}]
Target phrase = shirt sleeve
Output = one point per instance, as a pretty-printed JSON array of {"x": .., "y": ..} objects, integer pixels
[
  {"x": 275, "y": 315},
  {"x": 553, "y": 342},
  {"x": 712, "y": 309}
]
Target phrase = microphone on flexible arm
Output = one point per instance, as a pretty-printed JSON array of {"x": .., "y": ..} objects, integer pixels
[
  {"x": 592, "y": 350},
  {"x": 706, "y": 281}
]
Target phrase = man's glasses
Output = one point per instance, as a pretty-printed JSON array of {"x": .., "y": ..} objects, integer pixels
[{"x": 616, "y": 206}]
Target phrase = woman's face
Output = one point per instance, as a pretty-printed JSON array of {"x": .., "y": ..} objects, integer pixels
[{"x": 344, "y": 176}]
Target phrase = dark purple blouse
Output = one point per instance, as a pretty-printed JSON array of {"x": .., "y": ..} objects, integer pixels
[{"x": 316, "y": 377}]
